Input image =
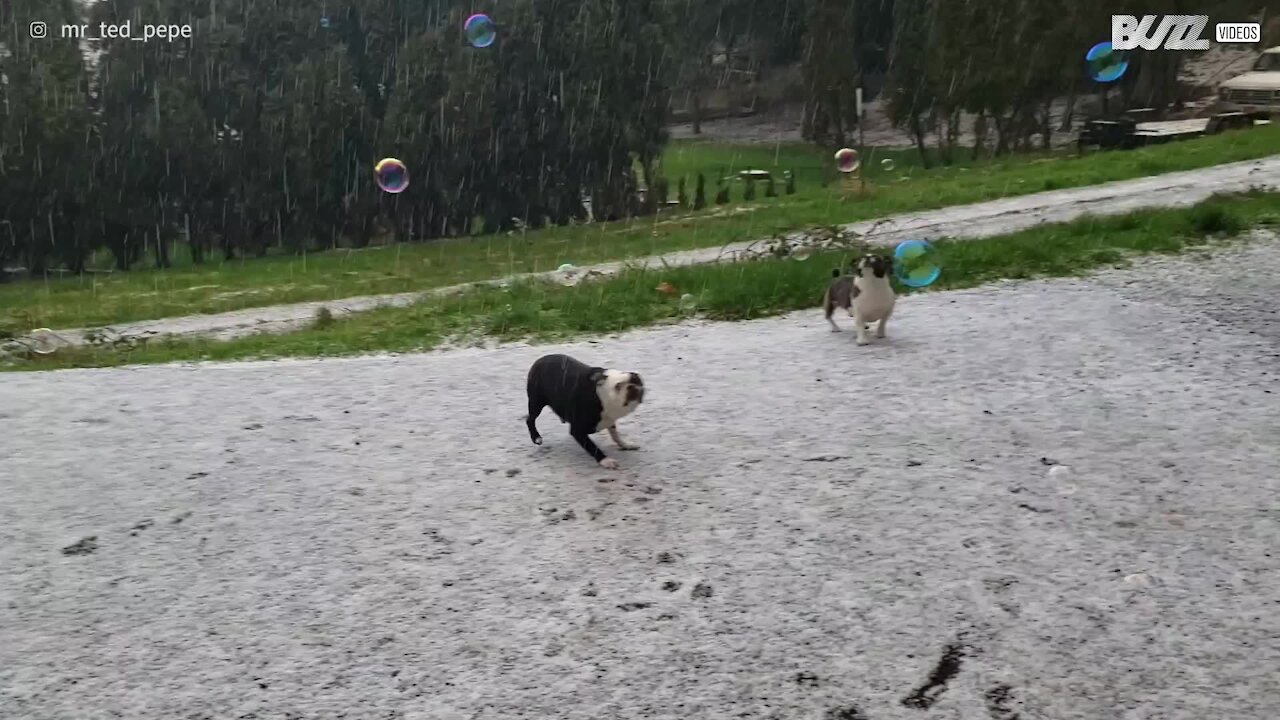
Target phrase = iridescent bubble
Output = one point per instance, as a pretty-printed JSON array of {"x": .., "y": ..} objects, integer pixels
[
  {"x": 887, "y": 165},
  {"x": 391, "y": 175},
  {"x": 688, "y": 302},
  {"x": 1104, "y": 64},
  {"x": 480, "y": 30},
  {"x": 324, "y": 21},
  {"x": 847, "y": 160},
  {"x": 44, "y": 341},
  {"x": 915, "y": 263},
  {"x": 565, "y": 267}
]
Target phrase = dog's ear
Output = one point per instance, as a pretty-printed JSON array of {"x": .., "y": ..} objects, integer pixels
[{"x": 635, "y": 379}]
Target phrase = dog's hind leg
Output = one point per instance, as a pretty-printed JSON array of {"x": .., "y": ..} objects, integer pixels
[
  {"x": 829, "y": 307},
  {"x": 535, "y": 409},
  {"x": 617, "y": 440}
]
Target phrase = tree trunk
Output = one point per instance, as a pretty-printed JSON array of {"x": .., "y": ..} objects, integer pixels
[
  {"x": 1156, "y": 85},
  {"x": 917, "y": 130},
  {"x": 1002, "y": 134},
  {"x": 979, "y": 133},
  {"x": 944, "y": 140},
  {"x": 122, "y": 255},
  {"x": 1046, "y": 125},
  {"x": 952, "y": 135},
  {"x": 197, "y": 247},
  {"x": 162, "y": 251},
  {"x": 1069, "y": 112}
]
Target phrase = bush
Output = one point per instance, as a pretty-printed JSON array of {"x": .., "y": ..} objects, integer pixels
[
  {"x": 700, "y": 193},
  {"x": 749, "y": 190},
  {"x": 722, "y": 195},
  {"x": 791, "y": 182},
  {"x": 324, "y": 318},
  {"x": 682, "y": 197},
  {"x": 769, "y": 190},
  {"x": 1214, "y": 219},
  {"x": 662, "y": 191}
]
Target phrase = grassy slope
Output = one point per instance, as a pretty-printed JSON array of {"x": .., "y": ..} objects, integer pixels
[
  {"x": 543, "y": 311},
  {"x": 216, "y": 287}
]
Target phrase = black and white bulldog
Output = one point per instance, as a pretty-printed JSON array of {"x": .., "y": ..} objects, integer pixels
[{"x": 589, "y": 399}]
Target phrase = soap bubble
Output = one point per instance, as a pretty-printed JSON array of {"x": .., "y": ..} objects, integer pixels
[
  {"x": 915, "y": 263},
  {"x": 688, "y": 301},
  {"x": 324, "y": 21},
  {"x": 1105, "y": 64},
  {"x": 847, "y": 160},
  {"x": 480, "y": 30},
  {"x": 887, "y": 165},
  {"x": 569, "y": 271},
  {"x": 43, "y": 341},
  {"x": 1059, "y": 471},
  {"x": 391, "y": 175}
]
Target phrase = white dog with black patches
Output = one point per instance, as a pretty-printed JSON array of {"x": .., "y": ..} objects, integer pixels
[
  {"x": 589, "y": 399},
  {"x": 868, "y": 296}
]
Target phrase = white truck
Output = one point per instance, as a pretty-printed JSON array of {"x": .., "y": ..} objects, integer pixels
[{"x": 1256, "y": 92}]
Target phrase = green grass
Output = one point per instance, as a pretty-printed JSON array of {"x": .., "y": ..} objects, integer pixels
[
  {"x": 97, "y": 300},
  {"x": 544, "y": 311}
]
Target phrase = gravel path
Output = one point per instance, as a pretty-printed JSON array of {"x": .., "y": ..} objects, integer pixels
[
  {"x": 811, "y": 529},
  {"x": 964, "y": 221}
]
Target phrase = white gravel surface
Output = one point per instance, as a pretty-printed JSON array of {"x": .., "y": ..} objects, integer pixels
[
  {"x": 986, "y": 219},
  {"x": 808, "y": 527}
]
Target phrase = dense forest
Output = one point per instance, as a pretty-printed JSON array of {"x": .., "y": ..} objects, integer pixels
[{"x": 261, "y": 129}]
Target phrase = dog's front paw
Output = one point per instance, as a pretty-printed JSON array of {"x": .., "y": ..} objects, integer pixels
[
  {"x": 628, "y": 446},
  {"x": 537, "y": 441},
  {"x": 609, "y": 464},
  {"x": 864, "y": 340}
]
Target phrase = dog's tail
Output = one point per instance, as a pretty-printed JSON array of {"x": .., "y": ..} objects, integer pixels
[{"x": 835, "y": 272}]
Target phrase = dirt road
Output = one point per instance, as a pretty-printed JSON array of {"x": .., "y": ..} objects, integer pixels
[{"x": 1037, "y": 500}]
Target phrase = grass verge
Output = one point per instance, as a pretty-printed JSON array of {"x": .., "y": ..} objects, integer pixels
[
  {"x": 544, "y": 311},
  {"x": 96, "y": 300}
]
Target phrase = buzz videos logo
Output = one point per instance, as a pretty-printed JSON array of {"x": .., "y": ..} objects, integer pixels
[{"x": 1176, "y": 32}]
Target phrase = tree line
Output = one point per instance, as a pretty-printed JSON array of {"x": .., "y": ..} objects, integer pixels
[
  {"x": 1009, "y": 65},
  {"x": 261, "y": 129}
]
